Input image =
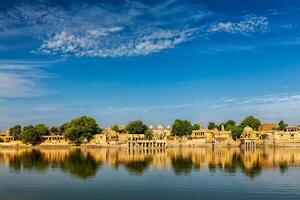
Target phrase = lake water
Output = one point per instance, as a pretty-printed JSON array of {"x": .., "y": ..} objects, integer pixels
[{"x": 195, "y": 173}]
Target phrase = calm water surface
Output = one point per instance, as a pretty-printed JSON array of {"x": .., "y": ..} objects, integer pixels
[{"x": 199, "y": 173}]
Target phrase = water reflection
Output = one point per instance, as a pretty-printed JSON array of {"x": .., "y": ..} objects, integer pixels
[
  {"x": 182, "y": 165},
  {"x": 28, "y": 160},
  {"x": 80, "y": 165},
  {"x": 86, "y": 163},
  {"x": 138, "y": 166}
]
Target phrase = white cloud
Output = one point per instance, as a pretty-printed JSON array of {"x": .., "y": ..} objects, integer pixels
[
  {"x": 22, "y": 78},
  {"x": 249, "y": 24},
  {"x": 268, "y": 107},
  {"x": 131, "y": 28},
  {"x": 139, "y": 44},
  {"x": 101, "y": 30},
  {"x": 104, "y": 31}
]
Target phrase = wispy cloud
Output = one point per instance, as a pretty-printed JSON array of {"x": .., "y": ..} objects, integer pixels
[
  {"x": 268, "y": 107},
  {"x": 22, "y": 78},
  {"x": 93, "y": 45},
  {"x": 102, "y": 30},
  {"x": 265, "y": 100},
  {"x": 249, "y": 24},
  {"x": 130, "y": 28},
  {"x": 228, "y": 48}
]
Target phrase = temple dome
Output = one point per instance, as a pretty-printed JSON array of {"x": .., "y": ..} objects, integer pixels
[
  {"x": 160, "y": 127},
  {"x": 248, "y": 129}
]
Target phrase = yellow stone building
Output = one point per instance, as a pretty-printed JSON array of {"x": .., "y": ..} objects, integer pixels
[
  {"x": 162, "y": 137},
  {"x": 289, "y": 136},
  {"x": 222, "y": 135},
  {"x": 203, "y": 135},
  {"x": 54, "y": 140},
  {"x": 6, "y": 138},
  {"x": 213, "y": 137},
  {"x": 160, "y": 132}
]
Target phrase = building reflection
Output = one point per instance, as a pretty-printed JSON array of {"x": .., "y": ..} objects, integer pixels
[{"x": 85, "y": 163}]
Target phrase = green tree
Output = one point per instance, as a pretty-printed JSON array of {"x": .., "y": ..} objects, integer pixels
[
  {"x": 220, "y": 126},
  {"x": 229, "y": 125},
  {"x": 282, "y": 125},
  {"x": 81, "y": 128},
  {"x": 117, "y": 129},
  {"x": 30, "y": 135},
  {"x": 236, "y": 132},
  {"x": 63, "y": 127},
  {"x": 252, "y": 122},
  {"x": 15, "y": 131},
  {"x": 182, "y": 127},
  {"x": 196, "y": 126},
  {"x": 211, "y": 125},
  {"x": 136, "y": 127},
  {"x": 42, "y": 129},
  {"x": 148, "y": 134}
]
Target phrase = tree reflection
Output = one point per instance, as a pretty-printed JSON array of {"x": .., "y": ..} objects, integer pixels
[
  {"x": 84, "y": 164},
  {"x": 79, "y": 165},
  {"x": 251, "y": 169},
  {"x": 137, "y": 167},
  {"x": 231, "y": 167},
  {"x": 76, "y": 163},
  {"x": 15, "y": 164},
  {"x": 283, "y": 167},
  {"x": 182, "y": 165},
  {"x": 29, "y": 160}
]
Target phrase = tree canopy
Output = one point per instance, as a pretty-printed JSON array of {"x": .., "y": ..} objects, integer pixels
[
  {"x": 282, "y": 125},
  {"x": 252, "y": 122},
  {"x": 117, "y": 129},
  {"x": 15, "y": 131},
  {"x": 149, "y": 134},
  {"x": 30, "y": 135},
  {"x": 229, "y": 125},
  {"x": 237, "y": 131},
  {"x": 182, "y": 127},
  {"x": 196, "y": 126},
  {"x": 136, "y": 127},
  {"x": 42, "y": 129},
  {"x": 80, "y": 128},
  {"x": 211, "y": 125}
]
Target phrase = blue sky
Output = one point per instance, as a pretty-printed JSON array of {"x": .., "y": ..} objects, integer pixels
[{"x": 150, "y": 60}]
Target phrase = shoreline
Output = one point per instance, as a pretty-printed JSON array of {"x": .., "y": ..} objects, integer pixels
[{"x": 124, "y": 146}]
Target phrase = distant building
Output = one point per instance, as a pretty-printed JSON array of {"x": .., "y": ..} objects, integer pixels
[
  {"x": 160, "y": 132},
  {"x": 292, "y": 128},
  {"x": 215, "y": 137},
  {"x": 267, "y": 127},
  {"x": 4, "y": 133}
]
